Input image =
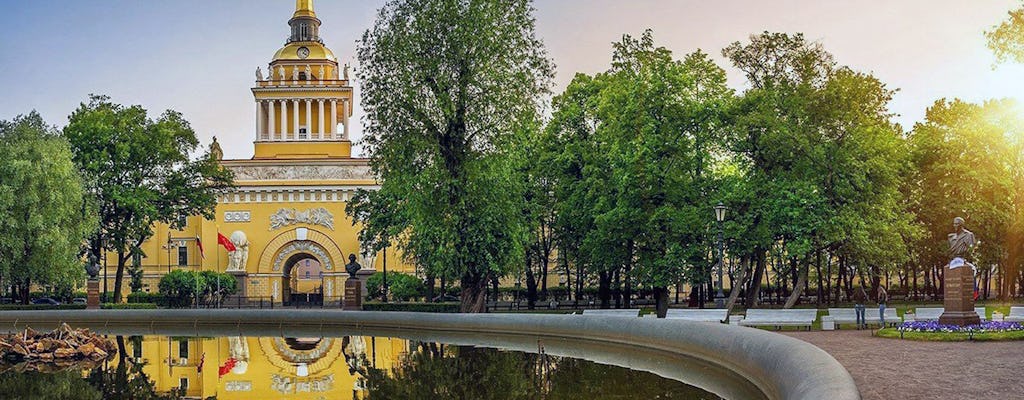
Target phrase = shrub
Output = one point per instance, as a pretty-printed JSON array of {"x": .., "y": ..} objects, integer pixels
[
  {"x": 179, "y": 287},
  {"x": 412, "y": 307},
  {"x": 42, "y": 307},
  {"x": 401, "y": 287},
  {"x": 128, "y": 306}
]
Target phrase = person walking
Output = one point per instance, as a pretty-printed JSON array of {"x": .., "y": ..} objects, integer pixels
[
  {"x": 883, "y": 297},
  {"x": 860, "y": 297}
]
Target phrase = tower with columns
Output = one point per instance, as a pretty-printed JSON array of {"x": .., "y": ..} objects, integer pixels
[{"x": 304, "y": 101}]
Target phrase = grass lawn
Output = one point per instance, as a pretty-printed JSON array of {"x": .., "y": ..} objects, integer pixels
[{"x": 894, "y": 333}]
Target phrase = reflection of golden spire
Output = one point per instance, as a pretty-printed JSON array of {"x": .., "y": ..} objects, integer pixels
[{"x": 304, "y": 8}]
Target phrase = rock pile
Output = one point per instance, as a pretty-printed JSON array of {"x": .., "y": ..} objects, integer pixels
[{"x": 63, "y": 345}]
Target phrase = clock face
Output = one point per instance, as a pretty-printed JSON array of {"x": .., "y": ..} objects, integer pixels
[{"x": 303, "y": 52}]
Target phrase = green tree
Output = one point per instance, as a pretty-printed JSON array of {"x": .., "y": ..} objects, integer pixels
[
  {"x": 401, "y": 287},
  {"x": 822, "y": 162},
  {"x": 1007, "y": 39},
  {"x": 447, "y": 87},
  {"x": 140, "y": 173},
  {"x": 44, "y": 217},
  {"x": 968, "y": 164}
]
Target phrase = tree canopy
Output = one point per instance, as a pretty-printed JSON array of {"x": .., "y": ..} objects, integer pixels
[
  {"x": 44, "y": 214},
  {"x": 140, "y": 172},
  {"x": 447, "y": 87}
]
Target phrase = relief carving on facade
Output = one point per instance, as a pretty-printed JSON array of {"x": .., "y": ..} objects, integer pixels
[
  {"x": 300, "y": 172},
  {"x": 313, "y": 216},
  {"x": 305, "y": 246}
]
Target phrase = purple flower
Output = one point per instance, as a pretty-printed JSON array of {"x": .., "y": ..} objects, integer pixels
[{"x": 935, "y": 326}]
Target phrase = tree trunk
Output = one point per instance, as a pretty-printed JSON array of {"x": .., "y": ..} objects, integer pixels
[
  {"x": 119, "y": 275},
  {"x": 661, "y": 300},
  {"x": 628, "y": 293},
  {"x": 430, "y": 288},
  {"x": 798, "y": 287},
  {"x": 817, "y": 271},
  {"x": 755, "y": 282},
  {"x": 604, "y": 288},
  {"x": 737, "y": 286},
  {"x": 24, "y": 289},
  {"x": 531, "y": 287},
  {"x": 473, "y": 298}
]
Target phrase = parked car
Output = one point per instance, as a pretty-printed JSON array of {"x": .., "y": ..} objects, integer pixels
[
  {"x": 46, "y": 300},
  {"x": 78, "y": 300}
]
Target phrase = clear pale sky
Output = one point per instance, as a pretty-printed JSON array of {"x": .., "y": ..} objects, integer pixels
[{"x": 199, "y": 56}]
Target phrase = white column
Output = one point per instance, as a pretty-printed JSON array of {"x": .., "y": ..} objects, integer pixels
[
  {"x": 284, "y": 120},
  {"x": 295, "y": 119},
  {"x": 320, "y": 119},
  {"x": 259, "y": 120},
  {"x": 309, "y": 119},
  {"x": 344, "y": 118},
  {"x": 334, "y": 118},
  {"x": 272, "y": 121}
]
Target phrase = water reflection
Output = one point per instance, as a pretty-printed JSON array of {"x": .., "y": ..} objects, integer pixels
[{"x": 356, "y": 367}]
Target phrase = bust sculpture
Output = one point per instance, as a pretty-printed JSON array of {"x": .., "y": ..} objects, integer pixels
[
  {"x": 92, "y": 267},
  {"x": 961, "y": 241},
  {"x": 352, "y": 267}
]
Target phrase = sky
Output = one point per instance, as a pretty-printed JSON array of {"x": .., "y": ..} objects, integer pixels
[{"x": 199, "y": 56}]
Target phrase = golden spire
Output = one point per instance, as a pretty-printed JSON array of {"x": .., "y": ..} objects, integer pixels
[{"x": 304, "y": 8}]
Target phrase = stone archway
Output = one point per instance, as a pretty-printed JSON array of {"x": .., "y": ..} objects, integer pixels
[
  {"x": 279, "y": 257},
  {"x": 302, "y": 280}
]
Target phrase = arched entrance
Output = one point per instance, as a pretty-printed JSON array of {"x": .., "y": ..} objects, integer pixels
[{"x": 302, "y": 280}]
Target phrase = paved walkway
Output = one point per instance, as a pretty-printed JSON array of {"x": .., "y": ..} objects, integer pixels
[{"x": 904, "y": 369}]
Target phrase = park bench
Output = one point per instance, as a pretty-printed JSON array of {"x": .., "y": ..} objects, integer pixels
[
  {"x": 849, "y": 316},
  {"x": 933, "y": 313},
  {"x": 694, "y": 314},
  {"x": 1016, "y": 315},
  {"x": 627, "y": 312},
  {"x": 780, "y": 318}
]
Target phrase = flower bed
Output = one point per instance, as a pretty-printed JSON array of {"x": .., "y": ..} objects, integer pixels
[{"x": 984, "y": 327}]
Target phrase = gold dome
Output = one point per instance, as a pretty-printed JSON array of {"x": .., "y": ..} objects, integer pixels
[
  {"x": 304, "y": 8},
  {"x": 317, "y": 51}
]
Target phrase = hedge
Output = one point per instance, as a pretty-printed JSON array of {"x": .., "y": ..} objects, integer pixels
[
  {"x": 42, "y": 307},
  {"x": 128, "y": 306},
  {"x": 412, "y": 307}
]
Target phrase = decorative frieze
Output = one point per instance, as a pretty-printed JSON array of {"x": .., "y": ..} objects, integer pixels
[
  {"x": 237, "y": 216},
  {"x": 300, "y": 172},
  {"x": 313, "y": 216}
]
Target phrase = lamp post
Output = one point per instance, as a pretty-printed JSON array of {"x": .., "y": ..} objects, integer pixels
[{"x": 720, "y": 216}]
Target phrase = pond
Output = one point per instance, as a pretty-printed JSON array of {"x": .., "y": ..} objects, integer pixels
[{"x": 357, "y": 367}]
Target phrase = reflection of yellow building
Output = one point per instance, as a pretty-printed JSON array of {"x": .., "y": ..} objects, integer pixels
[
  {"x": 264, "y": 368},
  {"x": 289, "y": 203}
]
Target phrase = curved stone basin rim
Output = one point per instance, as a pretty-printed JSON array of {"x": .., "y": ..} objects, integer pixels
[{"x": 780, "y": 366}]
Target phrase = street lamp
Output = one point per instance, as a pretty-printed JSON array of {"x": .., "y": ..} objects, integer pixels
[{"x": 720, "y": 216}]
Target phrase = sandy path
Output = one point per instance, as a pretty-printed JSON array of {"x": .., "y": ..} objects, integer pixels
[{"x": 904, "y": 369}]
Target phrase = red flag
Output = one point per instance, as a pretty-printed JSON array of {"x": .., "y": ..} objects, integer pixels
[
  {"x": 202, "y": 360},
  {"x": 199, "y": 242},
  {"x": 228, "y": 365},
  {"x": 224, "y": 241}
]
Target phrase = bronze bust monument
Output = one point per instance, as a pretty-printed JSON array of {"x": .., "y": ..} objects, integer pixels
[
  {"x": 92, "y": 267},
  {"x": 352, "y": 267},
  {"x": 961, "y": 241}
]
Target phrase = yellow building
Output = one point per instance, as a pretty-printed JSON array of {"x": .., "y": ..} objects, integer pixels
[
  {"x": 264, "y": 367},
  {"x": 288, "y": 208}
]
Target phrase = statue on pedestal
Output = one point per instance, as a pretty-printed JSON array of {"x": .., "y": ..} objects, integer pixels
[
  {"x": 259, "y": 74},
  {"x": 92, "y": 267},
  {"x": 959, "y": 282},
  {"x": 215, "y": 151},
  {"x": 352, "y": 267}
]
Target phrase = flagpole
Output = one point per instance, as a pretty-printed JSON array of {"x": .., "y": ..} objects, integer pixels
[{"x": 217, "y": 268}]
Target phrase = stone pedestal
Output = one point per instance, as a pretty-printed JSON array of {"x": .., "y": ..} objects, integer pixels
[
  {"x": 959, "y": 297},
  {"x": 92, "y": 299},
  {"x": 240, "y": 282},
  {"x": 353, "y": 300}
]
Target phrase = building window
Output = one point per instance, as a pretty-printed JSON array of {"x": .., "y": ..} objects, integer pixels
[
  {"x": 183, "y": 349},
  {"x": 137, "y": 349},
  {"x": 182, "y": 255},
  {"x": 183, "y": 383},
  {"x": 303, "y": 133}
]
